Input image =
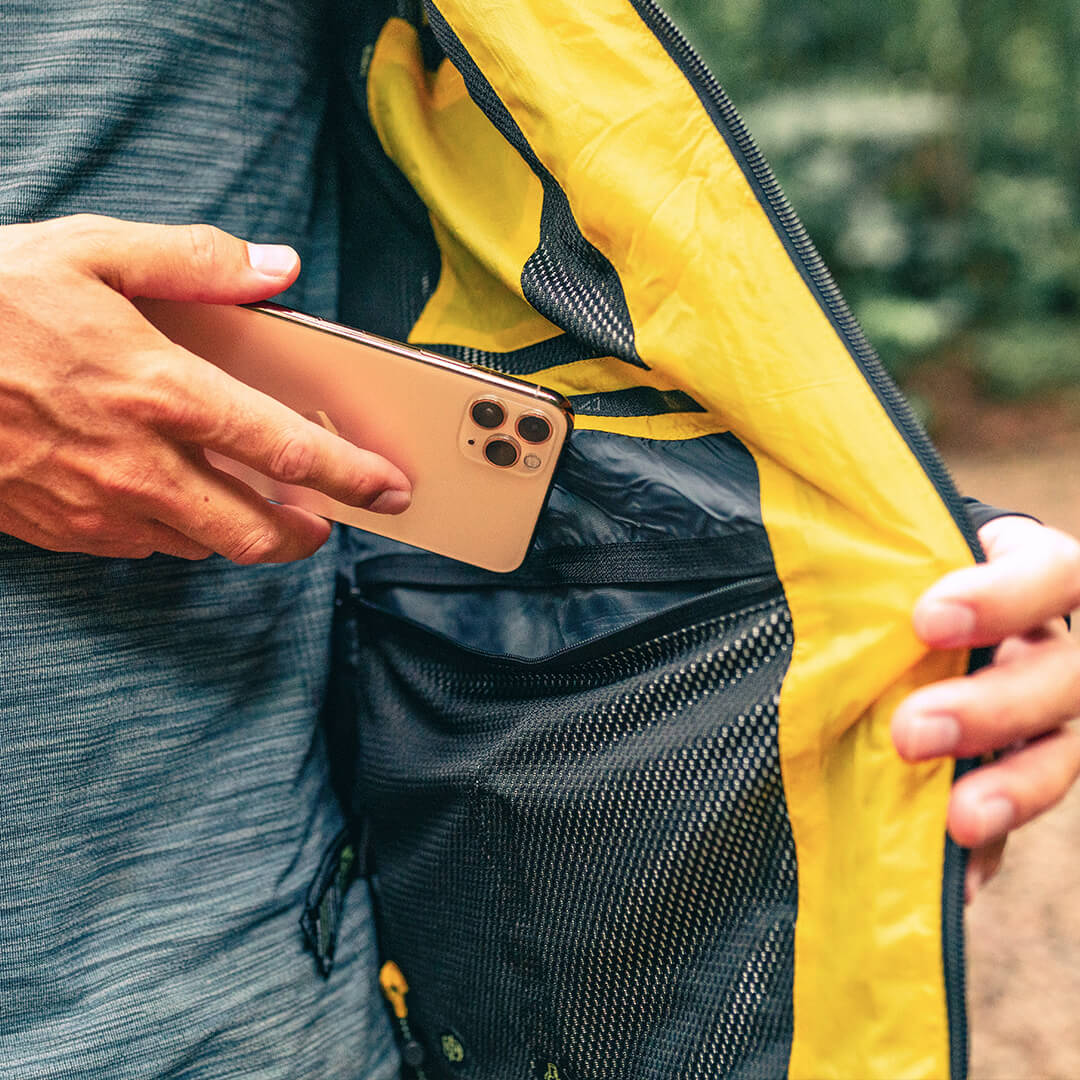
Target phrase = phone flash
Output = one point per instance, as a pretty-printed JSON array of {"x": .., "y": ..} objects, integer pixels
[{"x": 531, "y": 461}]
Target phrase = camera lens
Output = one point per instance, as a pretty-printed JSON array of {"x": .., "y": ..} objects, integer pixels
[
  {"x": 488, "y": 414},
  {"x": 534, "y": 429},
  {"x": 501, "y": 452}
]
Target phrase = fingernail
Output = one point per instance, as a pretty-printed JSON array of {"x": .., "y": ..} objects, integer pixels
[
  {"x": 932, "y": 735},
  {"x": 272, "y": 260},
  {"x": 945, "y": 622},
  {"x": 391, "y": 502},
  {"x": 996, "y": 816}
]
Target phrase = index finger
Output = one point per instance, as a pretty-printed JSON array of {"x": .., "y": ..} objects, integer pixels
[
  {"x": 213, "y": 410},
  {"x": 1032, "y": 576}
]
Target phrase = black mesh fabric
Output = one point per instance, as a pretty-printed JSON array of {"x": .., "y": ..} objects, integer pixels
[
  {"x": 555, "y": 351},
  {"x": 583, "y": 866}
]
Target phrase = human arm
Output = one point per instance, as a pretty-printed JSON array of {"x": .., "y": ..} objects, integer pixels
[
  {"x": 103, "y": 421},
  {"x": 1021, "y": 704}
]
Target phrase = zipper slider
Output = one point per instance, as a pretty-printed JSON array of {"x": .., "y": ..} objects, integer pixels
[{"x": 394, "y": 987}]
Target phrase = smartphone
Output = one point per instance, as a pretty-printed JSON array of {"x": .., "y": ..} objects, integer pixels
[{"x": 480, "y": 448}]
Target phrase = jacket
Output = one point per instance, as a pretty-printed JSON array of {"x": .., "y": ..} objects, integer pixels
[{"x": 633, "y": 810}]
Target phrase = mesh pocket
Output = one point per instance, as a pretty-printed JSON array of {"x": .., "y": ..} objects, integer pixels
[{"x": 583, "y": 866}]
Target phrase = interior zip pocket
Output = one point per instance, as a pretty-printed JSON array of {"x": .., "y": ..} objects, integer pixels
[{"x": 585, "y": 861}]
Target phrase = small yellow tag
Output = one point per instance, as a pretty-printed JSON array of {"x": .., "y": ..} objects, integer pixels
[
  {"x": 452, "y": 1049},
  {"x": 395, "y": 988}
]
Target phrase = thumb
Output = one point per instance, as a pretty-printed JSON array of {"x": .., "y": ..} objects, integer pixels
[{"x": 180, "y": 262}]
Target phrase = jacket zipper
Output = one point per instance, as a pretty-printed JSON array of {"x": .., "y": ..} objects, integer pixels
[
  {"x": 809, "y": 261},
  {"x": 818, "y": 275}
]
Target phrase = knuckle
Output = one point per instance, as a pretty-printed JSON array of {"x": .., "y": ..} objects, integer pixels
[
  {"x": 86, "y": 234},
  {"x": 37, "y": 252},
  {"x": 1051, "y": 773},
  {"x": 258, "y": 545},
  {"x": 155, "y": 398},
  {"x": 127, "y": 480},
  {"x": 293, "y": 459},
  {"x": 1034, "y": 796},
  {"x": 984, "y": 720},
  {"x": 140, "y": 551},
  {"x": 89, "y": 524},
  {"x": 84, "y": 222},
  {"x": 205, "y": 243},
  {"x": 366, "y": 487},
  {"x": 81, "y": 226}
]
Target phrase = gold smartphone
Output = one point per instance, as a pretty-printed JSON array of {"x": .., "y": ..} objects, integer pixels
[{"x": 480, "y": 448}]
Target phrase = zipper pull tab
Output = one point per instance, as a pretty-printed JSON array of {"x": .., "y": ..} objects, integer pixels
[{"x": 394, "y": 987}]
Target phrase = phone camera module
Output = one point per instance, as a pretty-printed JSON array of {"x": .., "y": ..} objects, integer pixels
[
  {"x": 488, "y": 414},
  {"x": 501, "y": 452},
  {"x": 533, "y": 428}
]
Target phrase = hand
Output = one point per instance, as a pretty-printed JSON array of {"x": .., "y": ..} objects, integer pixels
[
  {"x": 1021, "y": 704},
  {"x": 103, "y": 421}
]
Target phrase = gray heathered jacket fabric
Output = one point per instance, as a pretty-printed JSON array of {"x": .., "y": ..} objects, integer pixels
[{"x": 163, "y": 792}]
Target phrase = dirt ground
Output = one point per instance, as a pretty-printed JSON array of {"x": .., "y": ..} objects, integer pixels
[{"x": 1024, "y": 928}]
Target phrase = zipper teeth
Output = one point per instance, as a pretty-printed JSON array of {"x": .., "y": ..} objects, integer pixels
[
  {"x": 624, "y": 663},
  {"x": 895, "y": 404},
  {"x": 747, "y": 584},
  {"x": 956, "y": 977}
]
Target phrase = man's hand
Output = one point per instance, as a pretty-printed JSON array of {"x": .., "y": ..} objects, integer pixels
[
  {"x": 1022, "y": 704},
  {"x": 103, "y": 421}
]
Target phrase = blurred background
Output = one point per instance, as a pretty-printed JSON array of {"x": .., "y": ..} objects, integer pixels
[{"x": 932, "y": 148}]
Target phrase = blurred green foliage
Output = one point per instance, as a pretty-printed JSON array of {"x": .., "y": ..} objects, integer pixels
[{"x": 932, "y": 147}]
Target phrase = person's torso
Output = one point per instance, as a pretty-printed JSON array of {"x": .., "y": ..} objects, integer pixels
[
  {"x": 172, "y": 113},
  {"x": 164, "y": 784}
]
